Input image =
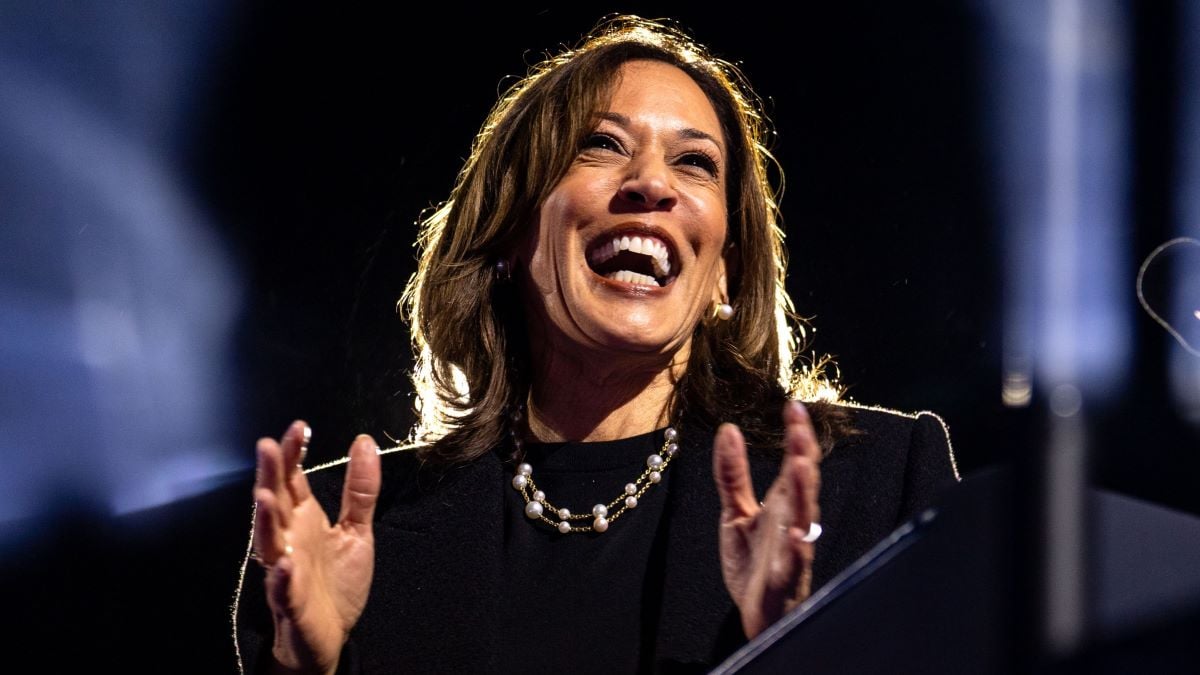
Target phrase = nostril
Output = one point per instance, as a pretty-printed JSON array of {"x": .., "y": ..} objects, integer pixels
[{"x": 635, "y": 196}]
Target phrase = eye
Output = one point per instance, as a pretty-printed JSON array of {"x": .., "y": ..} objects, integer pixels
[
  {"x": 599, "y": 141},
  {"x": 700, "y": 160}
]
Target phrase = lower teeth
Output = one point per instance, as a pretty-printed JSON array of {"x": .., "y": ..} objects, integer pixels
[{"x": 632, "y": 278}]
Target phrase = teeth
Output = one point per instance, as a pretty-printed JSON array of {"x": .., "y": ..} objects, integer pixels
[
  {"x": 632, "y": 278},
  {"x": 650, "y": 246},
  {"x": 662, "y": 263}
]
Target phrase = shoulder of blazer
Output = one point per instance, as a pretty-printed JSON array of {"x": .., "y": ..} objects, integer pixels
[{"x": 877, "y": 423}]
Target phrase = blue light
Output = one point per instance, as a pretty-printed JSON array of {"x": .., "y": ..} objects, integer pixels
[
  {"x": 1058, "y": 92},
  {"x": 116, "y": 297}
]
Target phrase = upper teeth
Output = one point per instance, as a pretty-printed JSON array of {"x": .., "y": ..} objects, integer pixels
[{"x": 650, "y": 246}]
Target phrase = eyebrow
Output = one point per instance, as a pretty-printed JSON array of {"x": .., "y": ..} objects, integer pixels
[{"x": 686, "y": 132}]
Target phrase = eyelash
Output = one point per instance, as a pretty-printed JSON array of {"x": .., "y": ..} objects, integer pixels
[
  {"x": 706, "y": 162},
  {"x": 594, "y": 142}
]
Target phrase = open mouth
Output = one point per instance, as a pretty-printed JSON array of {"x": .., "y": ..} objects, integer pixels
[{"x": 633, "y": 258}]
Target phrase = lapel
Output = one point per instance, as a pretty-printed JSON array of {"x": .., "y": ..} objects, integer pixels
[
  {"x": 444, "y": 556},
  {"x": 699, "y": 624}
]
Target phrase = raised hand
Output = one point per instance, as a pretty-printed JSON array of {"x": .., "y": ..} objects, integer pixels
[
  {"x": 767, "y": 549},
  {"x": 317, "y": 573}
]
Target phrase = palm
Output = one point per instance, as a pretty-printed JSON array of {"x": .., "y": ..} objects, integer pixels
[
  {"x": 767, "y": 583},
  {"x": 318, "y": 573}
]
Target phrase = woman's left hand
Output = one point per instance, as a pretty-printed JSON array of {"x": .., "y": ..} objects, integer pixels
[{"x": 765, "y": 560}]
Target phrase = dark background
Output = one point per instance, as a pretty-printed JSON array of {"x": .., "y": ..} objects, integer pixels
[{"x": 323, "y": 133}]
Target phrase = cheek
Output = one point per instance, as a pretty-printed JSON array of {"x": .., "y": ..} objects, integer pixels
[
  {"x": 708, "y": 211},
  {"x": 546, "y": 250},
  {"x": 710, "y": 243},
  {"x": 572, "y": 205}
]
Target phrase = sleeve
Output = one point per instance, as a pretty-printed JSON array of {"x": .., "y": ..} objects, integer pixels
[
  {"x": 251, "y": 618},
  {"x": 930, "y": 465}
]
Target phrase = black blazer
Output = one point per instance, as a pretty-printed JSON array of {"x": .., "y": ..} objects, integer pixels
[{"x": 438, "y": 583}]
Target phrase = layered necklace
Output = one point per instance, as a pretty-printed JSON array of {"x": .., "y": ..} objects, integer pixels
[{"x": 539, "y": 507}]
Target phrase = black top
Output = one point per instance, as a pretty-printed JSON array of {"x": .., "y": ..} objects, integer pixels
[
  {"x": 584, "y": 602},
  {"x": 441, "y": 599}
]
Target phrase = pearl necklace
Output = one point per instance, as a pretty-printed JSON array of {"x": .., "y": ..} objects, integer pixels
[{"x": 537, "y": 506}]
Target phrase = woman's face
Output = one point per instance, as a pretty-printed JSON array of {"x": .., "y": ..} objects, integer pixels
[{"x": 626, "y": 256}]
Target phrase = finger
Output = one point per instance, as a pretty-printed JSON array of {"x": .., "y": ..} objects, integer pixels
[
  {"x": 361, "y": 490},
  {"x": 269, "y": 544},
  {"x": 803, "y": 555},
  {"x": 806, "y": 478},
  {"x": 791, "y": 507},
  {"x": 792, "y": 499},
  {"x": 295, "y": 442},
  {"x": 778, "y": 523},
  {"x": 271, "y": 477},
  {"x": 294, "y": 447},
  {"x": 731, "y": 470},
  {"x": 800, "y": 437},
  {"x": 780, "y": 504}
]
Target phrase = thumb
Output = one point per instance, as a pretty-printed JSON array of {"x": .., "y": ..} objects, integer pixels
[{"x": 361, "y": 490}]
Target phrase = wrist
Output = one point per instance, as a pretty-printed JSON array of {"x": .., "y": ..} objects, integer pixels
[
  {"x": 280, "y": 666},
  {"x": 292, "y": 656}
]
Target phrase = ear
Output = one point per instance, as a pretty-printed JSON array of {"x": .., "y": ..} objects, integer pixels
[
  {"x": 721, "y": 292},
  {"x": 726, "y": 266}
]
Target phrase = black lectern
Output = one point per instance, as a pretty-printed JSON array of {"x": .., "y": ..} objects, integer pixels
[{"x": 938, "y": 597}]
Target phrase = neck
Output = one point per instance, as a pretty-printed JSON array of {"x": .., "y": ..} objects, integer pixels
[{"x": 601, "y": 397}]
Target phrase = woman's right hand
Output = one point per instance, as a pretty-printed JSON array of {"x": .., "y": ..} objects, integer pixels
[{"x": 317, "y": 573}]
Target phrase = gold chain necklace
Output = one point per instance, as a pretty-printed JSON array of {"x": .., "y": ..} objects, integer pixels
[{"x": 539, "y": 507}]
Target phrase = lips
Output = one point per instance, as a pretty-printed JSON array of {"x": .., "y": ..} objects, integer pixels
[{"x": 637, "y": 255}]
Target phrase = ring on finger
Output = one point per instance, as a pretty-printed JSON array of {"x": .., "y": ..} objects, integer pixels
[{"x": 257, "y": 557}]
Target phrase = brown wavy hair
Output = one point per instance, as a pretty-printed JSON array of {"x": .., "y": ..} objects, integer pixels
[{"x": 467, "y": 325}]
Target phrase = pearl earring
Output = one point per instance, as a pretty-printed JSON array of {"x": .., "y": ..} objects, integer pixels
[{"x": 724, "y": 311}]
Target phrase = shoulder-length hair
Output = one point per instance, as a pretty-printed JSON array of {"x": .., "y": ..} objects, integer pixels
[{"x": 467, "y": 325}]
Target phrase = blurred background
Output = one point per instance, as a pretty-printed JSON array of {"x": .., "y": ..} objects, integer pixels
[{"x": 207, "y": 215}]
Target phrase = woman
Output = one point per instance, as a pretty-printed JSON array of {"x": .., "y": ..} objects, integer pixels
[{"x": 602, "y": 332}]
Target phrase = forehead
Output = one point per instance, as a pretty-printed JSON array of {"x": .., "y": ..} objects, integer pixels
[{"x": 662, "y": 95}]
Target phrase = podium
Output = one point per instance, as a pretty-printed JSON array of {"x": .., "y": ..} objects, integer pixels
[{"x": 939, "y": 596}]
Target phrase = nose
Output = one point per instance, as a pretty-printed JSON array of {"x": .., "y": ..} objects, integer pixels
[{"x": 649, "y": 185}]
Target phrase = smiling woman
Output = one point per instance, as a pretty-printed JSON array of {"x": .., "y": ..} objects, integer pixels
[
  {"x": 636, "y": 132},
  {"x": 646, "y": 201},
  {"x": 600, "y": 298}
]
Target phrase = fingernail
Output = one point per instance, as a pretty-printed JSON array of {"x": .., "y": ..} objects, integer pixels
[{"x": 798, "y": 408}]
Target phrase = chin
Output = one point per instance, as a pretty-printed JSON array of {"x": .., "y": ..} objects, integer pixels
[{"x": 650, "y": 339}]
